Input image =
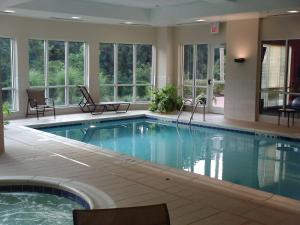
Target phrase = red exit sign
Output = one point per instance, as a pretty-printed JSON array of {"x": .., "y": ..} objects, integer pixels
[{"x": 215, "y": 28}]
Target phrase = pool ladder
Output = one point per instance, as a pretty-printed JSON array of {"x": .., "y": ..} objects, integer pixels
[{"x": 199, "y": 101}]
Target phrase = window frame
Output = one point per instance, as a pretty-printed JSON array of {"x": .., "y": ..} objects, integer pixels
[
  {"x": 134, "y": 84},
  {"x": 285, "y": 91},
  {"x": 66, "y": 84},
  {"x": 194, "y": 85},
  {"x": 14, "y": 75}
]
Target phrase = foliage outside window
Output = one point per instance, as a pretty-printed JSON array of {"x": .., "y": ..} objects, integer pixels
[
  {"x": 125, "y": 72},
  {"x": 195, "y": 70},
  {"x": 280, "y": 75},
  {"x": 8, "y": 72},
  {"x": 58, "y": 66}
]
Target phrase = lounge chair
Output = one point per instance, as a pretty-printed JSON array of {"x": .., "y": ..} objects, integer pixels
[
  {"x": 142, "y": 215},
  {"x": 38, "y": 103},
  {"x": 87, "y": 104}
]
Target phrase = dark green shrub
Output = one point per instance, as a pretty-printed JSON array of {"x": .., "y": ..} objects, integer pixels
[{"x": 165, "y": 100}]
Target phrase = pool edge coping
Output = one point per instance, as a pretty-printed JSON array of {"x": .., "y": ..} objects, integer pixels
[
  {"x": 237, "y": 190},
  {"x": 93, "y": 196}
]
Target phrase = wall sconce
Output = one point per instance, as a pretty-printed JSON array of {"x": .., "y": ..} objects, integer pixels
[{"x": 239, "y": 60}]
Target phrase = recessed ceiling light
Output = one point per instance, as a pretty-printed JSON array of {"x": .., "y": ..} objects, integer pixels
[
  {"x": 9, "y": 11},
  {"x": 128, "y": 22},
  {"x": 75, "y": 17},
  {"x": 293, "y": 11},
  {"x": 200, "y": 20}
]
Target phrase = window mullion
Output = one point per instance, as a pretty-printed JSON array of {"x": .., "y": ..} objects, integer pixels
[
  {"x": 286, "y": 72},
  {"x": 13, "y": 73},
  {"x": 134, "y": 73},
  {"x": 86, "y": 61},
  {"x": 115, "y": 71},
  {"x": 153, "y": 66},
  {"x": 46, "y": 58},
  {"x": 66, "y": 73},
  {"x": 194, "y": 71}
]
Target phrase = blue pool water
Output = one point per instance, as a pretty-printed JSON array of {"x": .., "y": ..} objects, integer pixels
[
  {"x": 257, "y": 161},
  {"x": 30, "y": 208}
]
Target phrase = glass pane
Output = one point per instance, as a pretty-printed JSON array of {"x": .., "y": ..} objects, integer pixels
[
  {"x": 74, "y": 95},
  {"x": 107, "y": 93},
  {"x": 58, "y": 95},
  {"x": 188, "y": 65},
  {"x": 125, "y": 64},
  {"x": 218, "y": 95},
  {"x": 270, "y": 102},
  {"x": 219, "y": 64},
  {"x": 125, "y": 93},
  {"x": 219, "y": 77},
  {"x": 143, "y": 93},
  {"x": 293, "y": 81},
  {"x": 106, "y": 63},
  {"x": 76, "y": 63},
  {"x": 5, "y": 62},
  {"x": 273, "y": 65},
  {"x": 56, "y": 64},
  {"x": 201, "y": 91},
  {"x": 143, "y": 64},
  {"x": 36, "y": 63},
  {"x": 188, "y": 92},
  {"x": 201, "y": 65},
  {"x": 7, "y": 97}
]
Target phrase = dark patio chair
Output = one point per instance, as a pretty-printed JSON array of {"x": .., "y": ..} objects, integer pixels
[
  {"x": 38, "y": 103},
  {"x": 142, "y": 215},
  {"x": 87, "y": 104}
]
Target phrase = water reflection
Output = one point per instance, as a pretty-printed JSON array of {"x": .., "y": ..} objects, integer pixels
[{"x": 255, "y": 161}]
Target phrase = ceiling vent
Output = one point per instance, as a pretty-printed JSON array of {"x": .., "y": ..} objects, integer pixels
[
  {"x": 65, "y": 19},
  {"x": 137, "y": 24}
]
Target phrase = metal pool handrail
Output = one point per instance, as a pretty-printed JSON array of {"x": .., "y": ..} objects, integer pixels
[
  {"x": 182, "y": 106},
  {"x": 194, "y": 109}
]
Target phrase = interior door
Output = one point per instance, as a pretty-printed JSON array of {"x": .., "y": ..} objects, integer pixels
[{"x": 216, "y": 81}]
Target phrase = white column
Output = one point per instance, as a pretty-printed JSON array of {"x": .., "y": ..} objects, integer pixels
[
  {"x": 93, "y": 71},
  {"x": 22, "y": 75},
  {"x": 242, "y": 41},
  {"x": 164, "y": 56}
]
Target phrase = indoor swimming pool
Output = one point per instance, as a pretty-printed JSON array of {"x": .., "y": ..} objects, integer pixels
[{"x": 263, "y": 162}]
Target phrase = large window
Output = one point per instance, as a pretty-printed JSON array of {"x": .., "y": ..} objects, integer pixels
[
  {"x": 195, "y": 70},
  {"x": 8, "y": 72},
  {"x": 280, "y": 75},
  {"x": 58, "y": 66},
  {"x": 126, "y": 72}
]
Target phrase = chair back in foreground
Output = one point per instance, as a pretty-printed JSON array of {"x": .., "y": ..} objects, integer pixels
[{"x": 141, "y": 215}]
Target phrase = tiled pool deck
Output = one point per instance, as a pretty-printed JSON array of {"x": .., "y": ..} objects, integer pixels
[{"x": 192, "y": 199}]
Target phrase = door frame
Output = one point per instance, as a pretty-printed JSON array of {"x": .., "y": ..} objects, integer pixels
[{"x": 210, "y": 81}]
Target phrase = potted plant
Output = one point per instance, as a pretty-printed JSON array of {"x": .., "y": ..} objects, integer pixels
[
  {"x": 165, "y": 100},
  {"x": 6, "y": 111},
  {"x": 202, "y": 99}
]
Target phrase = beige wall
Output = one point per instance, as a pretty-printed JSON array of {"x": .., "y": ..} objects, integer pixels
[
  {"x": 242, "y": 40},
  {"x": 23, "y": 29},
  {"x": 283, "y": 27}
]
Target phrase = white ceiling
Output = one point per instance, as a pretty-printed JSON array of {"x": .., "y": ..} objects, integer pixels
[
  {"x": 149, "y": 12},
  {"x": 153, "y": 3}
]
